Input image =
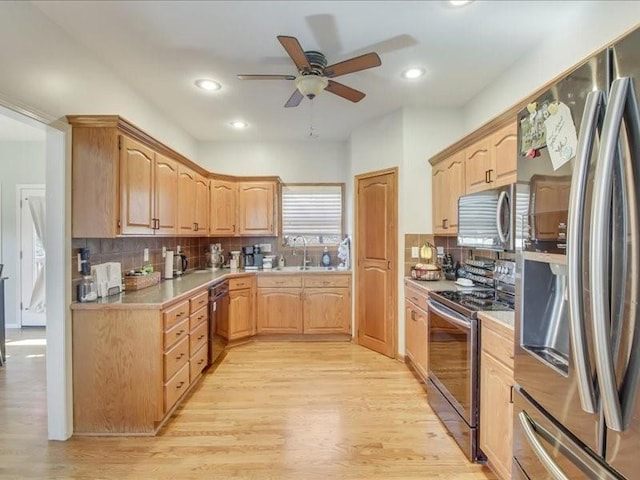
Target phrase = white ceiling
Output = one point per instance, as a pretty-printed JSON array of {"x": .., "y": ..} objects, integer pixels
[{"x": 161, "y": 47}]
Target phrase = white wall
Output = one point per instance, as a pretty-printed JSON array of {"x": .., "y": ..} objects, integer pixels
[
  {"x": 303, "y": 161},
  {"x": 594, "y": 28},
  {"x": 20, "y": 162},
  {"x": 45, "y": 70},
  {"x": 425, "y": 133}
]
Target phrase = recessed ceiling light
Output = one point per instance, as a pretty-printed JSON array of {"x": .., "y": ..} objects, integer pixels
[
  {"x": 413, "y": 73},
  {"x": 239, "y": 124},
  {"x": 459, "y": 3},
  {"x": 206, "y": 84}
]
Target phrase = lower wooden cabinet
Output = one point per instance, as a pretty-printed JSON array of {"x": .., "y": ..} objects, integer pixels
[
  {"x": 304, "y": 304},
  {"x": 132, "y": 366},
  {"x": 496, "y": 396},
  {"x": 416, "y": 331},
  {"x": 241, "y": 309},
  {"x": 326, "y": 310}
]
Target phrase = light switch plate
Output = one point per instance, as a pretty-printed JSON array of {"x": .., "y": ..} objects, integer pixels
[
  {"x": 440, "y": 251},
  {"x": 265, "y": 247},
  {"x": 414, "y": 252},
  {"x": 164, "y": 252}
]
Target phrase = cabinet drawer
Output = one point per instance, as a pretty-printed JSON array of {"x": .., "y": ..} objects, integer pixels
[
  {"x": 175, "y": 358},
  {"x": 197, "y": 318},
  {"x": 198, "y": 362},
  {"x": 198, "y": 337},
  {"x": 240, "y": 282},
  {"x": 198, "y": 301},
  {"x": 322, "y": 280},
  {"x": 497, "y": 346},
  {"x": 276, "y": 281},
  {"x": 173, "y": 315},
  {"x": 177, "y": 332},
  {"x": 175, "y": 387},
  {"x": 418, "y": 298}
]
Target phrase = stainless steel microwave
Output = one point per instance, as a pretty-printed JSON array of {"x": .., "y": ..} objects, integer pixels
[{"x": 492, "y": 219}]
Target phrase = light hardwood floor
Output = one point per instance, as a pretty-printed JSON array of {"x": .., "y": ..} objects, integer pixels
[{"x": 271, "y": 410}]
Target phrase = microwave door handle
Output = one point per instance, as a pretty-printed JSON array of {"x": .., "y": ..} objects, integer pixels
[
  {"x": 501, "y": 203},
  {"x": 451, "y": 317},
  {"x": 599, "y": 255},
  {"x": 588, "y": 130},
  {"x": 539, "y": 450}
]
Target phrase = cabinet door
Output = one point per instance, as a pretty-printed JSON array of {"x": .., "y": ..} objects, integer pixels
[
  {"x": 136, "y": 187},
  {"x": 241, "y": 322},
  {"x": 223, "y": 208},
  {"x": 326, "y": 310},
  {"x": 454, "y": 188},
  {"x": 421, "y": 343},
  {"x": 166, "y": 195},
  {"x": 279, "y": 310},
  {"x": 202, "y": 205},
  {"x": 256, "y": 208},
  {"x": 477, "y": 166},
  {"x": 438, "y": 186},
  {"x": 504, "y": 145},
  {"x": 496, "y": 413},
  {"x": 410, "y": 327},
  {"x": 186, "y": 200}
]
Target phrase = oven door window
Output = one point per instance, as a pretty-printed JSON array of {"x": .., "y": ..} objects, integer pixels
[{"x": 450, "y": 362}]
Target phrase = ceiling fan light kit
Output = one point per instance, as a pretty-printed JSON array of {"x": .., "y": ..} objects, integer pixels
[{"x": 311, "y": 85}]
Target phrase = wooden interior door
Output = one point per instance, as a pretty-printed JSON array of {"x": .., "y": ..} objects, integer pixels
[{"x": 376, "y": 260}]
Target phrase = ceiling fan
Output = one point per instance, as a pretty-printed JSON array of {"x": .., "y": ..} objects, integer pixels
[{"x": 314, "y": 75}]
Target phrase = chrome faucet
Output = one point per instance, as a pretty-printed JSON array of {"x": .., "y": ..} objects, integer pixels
[{"x": 304, "y": 250}]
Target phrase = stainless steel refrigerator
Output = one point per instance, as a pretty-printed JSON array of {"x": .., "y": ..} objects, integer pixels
[{"x": 577, "y": 354}]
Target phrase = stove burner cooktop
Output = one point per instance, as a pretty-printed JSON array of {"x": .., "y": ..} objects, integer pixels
[{"x": 471, "y": 302}]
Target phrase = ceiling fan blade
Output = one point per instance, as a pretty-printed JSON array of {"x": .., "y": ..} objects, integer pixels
[
  {"x": 243, "y": 76},
  {"x": 368, "y": 60},
  {"x": 293, "y": 48},
  {"x": 344, "y": 91},
  {"x": 294, "y": 100}
]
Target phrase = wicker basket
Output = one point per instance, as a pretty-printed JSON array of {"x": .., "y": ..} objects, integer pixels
[
  {"x": 425, "y": 274},
  {"x": 137, "y": 282}
]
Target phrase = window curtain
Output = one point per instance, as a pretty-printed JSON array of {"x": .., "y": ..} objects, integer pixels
[{"x": 37, "y": 208}]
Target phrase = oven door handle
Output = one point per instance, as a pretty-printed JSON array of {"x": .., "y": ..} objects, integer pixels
[
  {"x": 539, "y": 450},
  {"x": 450, "y": 316}
]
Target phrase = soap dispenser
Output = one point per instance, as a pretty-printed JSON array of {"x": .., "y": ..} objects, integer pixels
[{"x": 326, "y": 258}]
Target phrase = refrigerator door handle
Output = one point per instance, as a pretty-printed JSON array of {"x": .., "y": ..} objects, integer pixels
[
  {"x": 631, "y": 380},
  {"x": 502, "y": 201},
  {"x": 599, "y": 257},
  {"x": 539, "y": 450},
  {"x": 588, "y": 130}
]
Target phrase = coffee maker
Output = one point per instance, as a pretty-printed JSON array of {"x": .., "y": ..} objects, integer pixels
[{"x": 247, "y": 257}]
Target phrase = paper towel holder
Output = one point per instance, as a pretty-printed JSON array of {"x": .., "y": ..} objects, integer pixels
[{"x": 168, "y": 265}]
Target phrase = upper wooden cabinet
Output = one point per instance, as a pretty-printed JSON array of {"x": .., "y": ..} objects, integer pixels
[
  {"x": 186, "y": 200},
  {"x": 123, "y": 181},
  {"x": 256, "y": 208},
  {"x": 223, "y": 207},
  {"x": 448, "y": 183},
  {"x": 148, "y": 190},
  {"x": 491, "y": 161},
  {"x": 477, "y": 165},
  {"x": 202, "y": 205}
]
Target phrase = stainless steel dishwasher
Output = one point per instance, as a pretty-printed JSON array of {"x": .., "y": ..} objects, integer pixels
[{"x": 218, "y": 316}]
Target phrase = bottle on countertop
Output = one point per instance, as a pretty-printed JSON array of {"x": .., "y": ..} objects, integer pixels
[
  {"x": 281, "y": 261},
  {"x": 326, "y": 258}
]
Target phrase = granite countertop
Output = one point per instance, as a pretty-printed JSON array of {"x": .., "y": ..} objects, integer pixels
[
  {"x": 179, "y": 288},
  {"x": 434, "y": 286},
  {"x": 506, "y": 319}
]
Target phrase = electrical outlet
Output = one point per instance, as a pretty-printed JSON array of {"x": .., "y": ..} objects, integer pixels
[
  {"x": 414, "y": 252},
  {"x": 79, "y": 263},
  {"x": 145, "y": 255},
  {"x": 164, "y": 252},
  {"x": 440, "y": 251},
  {"x": 265, "y": 247}
]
